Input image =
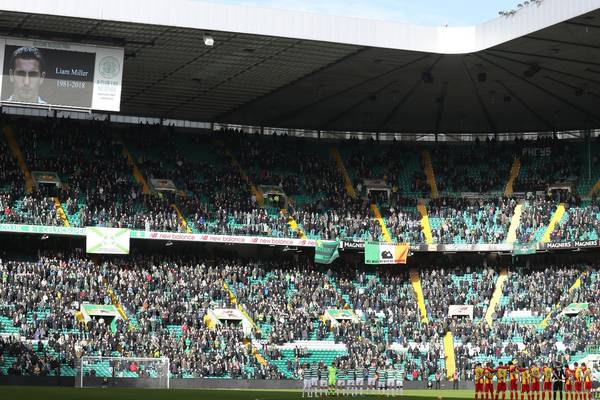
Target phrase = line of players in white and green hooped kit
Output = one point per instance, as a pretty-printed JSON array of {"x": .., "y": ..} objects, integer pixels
[{"x": 343, "y": 380}]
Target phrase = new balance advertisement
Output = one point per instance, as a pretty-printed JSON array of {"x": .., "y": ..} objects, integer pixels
[{"x": 59, "y": 74}]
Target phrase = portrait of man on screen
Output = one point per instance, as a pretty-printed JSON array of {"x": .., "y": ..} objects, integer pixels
[{"x": 27, "y": 74}]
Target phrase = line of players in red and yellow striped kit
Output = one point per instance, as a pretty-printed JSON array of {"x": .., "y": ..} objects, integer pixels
[{"x": 577, "y": 381}]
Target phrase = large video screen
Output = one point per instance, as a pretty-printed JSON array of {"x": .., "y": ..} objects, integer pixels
[{"x": 61, "y": 74}]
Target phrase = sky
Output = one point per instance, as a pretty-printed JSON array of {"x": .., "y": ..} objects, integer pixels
[{"x": 420, "y": 12}]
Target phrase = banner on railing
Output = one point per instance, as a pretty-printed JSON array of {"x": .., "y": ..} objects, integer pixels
[
  {"x": 201, "y": 237},
  {"x": 228, "y": 314},
  {"x": 326, "y": 252},
  {"x": 336, "y": 316},
  {"x": 576, "y": 244},
  {"x": 386, "y": 253},
  {"x": 163, "y": 185},
  {"x": 345, "y": 246},
  {"x": 575, "y": 308},
  {"x": 46, "y": 177},
  {"x": 523, "y": 249},
  {"x": 352, "y": 245},
  {"x": 502, "y": 247},
  {"x": 107, "y": 240},
  {"x": 457, "y": 310},
  {"x": 42, "y": 229}
]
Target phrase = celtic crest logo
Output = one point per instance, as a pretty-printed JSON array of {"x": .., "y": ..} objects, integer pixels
[{"x": 109, "y": 67}]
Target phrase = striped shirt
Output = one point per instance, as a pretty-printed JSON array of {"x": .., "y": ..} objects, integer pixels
[
  {"x": 351, "y": 374},
  {"x": 372, "y": 372}
]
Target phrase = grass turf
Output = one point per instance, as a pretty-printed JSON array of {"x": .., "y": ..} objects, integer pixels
[{"x": 67, "y": 393}]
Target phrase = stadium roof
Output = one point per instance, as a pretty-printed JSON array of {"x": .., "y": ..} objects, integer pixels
[{"x": 535, "y": 70}]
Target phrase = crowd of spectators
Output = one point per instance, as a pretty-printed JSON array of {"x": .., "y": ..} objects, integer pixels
[
  {"x": 471, "y": 221},
  {"x": 537, "y": 293},
  {"x": 480, "y": 168},
  {"x": 154, "y": 293},
  {"x": 211, "y": 172},
  {"x": 547, "y": 161},
  {"x": 535, "y": 217},
  {"x": 463, "y": 285},
  {"x": 28, "y": 360},
  {"x": 582, "y": 223},
  {"x": 166, "y": 299}
]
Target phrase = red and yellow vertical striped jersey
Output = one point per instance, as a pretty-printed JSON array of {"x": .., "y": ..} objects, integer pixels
[
  {"x": 547, "y": 374},
  {"x": 524, "y": 375},
  {"x": 578, "y": 374},
  {"x": 512, "y": 372},
  {"x": 535, "y": 374},
  {"x": 587, "y": 373},
  {"x": 501, "y": 374},
  {"x": 479, "y": 375},
  {"x": 569, "y": 375}
]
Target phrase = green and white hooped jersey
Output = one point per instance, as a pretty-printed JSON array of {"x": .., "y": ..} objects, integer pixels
[
  {"x": 351, "y": 374},
  {"x": 314, "y": 373},
  {"x": 372, "y": 372}
]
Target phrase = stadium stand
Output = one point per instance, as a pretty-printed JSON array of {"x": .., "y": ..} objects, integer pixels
[
  {"x": 106, "y": 179},
  {"x": 299, "y": 192},
  {"x": 99, "y": 186},
  {"x": 166, "y": 298}
]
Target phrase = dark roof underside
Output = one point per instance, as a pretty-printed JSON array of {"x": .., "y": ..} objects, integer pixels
[{"x": 280, "y": 82}]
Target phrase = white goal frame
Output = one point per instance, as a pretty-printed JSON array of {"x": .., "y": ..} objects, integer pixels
[{"x": 84, "y": 360}]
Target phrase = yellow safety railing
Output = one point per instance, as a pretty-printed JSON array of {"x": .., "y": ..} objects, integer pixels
[
  {"x": 18, "y": 155},
  {"x": 429, "y": 174},
  {"x": 558, "y": 214},
  {"x": 342, "y": 169},
  {"x": 489, "y": 313},
  {"x": 512, "y": 177}
]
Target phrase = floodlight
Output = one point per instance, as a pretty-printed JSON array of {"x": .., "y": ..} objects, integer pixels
[{"x": 208, "y": 40}]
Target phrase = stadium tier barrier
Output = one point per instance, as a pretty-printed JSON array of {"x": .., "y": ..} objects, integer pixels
[{"x": 516, "y": 248}]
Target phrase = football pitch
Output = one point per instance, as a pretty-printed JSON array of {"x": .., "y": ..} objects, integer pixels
[{"x": 66, "y": 393}]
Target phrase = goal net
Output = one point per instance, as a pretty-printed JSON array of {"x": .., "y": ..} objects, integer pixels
[{"x": 94, "y": 371}]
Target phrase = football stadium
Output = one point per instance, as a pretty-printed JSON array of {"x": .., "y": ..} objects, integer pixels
[{"x": 202, "y": 200}]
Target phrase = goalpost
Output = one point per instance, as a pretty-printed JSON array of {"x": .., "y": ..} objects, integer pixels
[{"x": 96, "y": 371}]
